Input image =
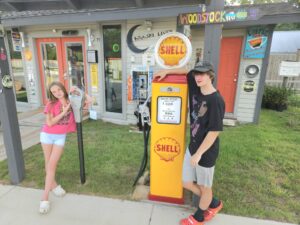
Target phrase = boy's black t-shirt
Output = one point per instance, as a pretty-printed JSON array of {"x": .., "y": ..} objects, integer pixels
[{"x": 206, "y": 114}]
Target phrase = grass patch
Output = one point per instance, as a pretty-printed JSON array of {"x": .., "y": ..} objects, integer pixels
[{"x": 257, "y": 173}]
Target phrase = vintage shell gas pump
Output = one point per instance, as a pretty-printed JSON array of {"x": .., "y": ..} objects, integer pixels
[
  {"x": 76, "y": 97},
  {"x": 168, "y": 123}
]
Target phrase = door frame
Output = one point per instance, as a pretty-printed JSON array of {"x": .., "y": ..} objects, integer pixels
[{"x": 112, "y": 115}]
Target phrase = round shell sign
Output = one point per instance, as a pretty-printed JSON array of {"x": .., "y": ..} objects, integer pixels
[{"x": 173, "y": 50}]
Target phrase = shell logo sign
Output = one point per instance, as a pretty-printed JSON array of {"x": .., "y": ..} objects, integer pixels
[
  {"x": 173, "y": 50},
  {"x": 167, "y": 148}
]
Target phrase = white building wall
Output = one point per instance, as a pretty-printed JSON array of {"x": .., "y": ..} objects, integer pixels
[{"x": 136, "y": 59}]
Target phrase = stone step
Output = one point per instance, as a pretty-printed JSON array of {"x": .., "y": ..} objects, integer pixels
[{"x": 230, "y": 122}]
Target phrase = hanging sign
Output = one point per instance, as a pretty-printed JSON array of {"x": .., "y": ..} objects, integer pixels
[
  {"x": 256, "y": 43},
  {"x": 16, "y": 41},
  {"x": 222, "y": 16},
  {"x": 173, "y": 50}
]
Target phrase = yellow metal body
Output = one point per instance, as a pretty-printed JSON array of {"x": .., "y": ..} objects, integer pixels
[{"x": 168, "y": 136}]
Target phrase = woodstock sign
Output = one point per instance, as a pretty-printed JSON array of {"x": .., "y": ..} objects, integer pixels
[{"x": 223, "y": 16}]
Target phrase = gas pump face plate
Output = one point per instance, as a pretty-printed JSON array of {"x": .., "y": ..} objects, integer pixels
[{"x": 170, "y": 89}]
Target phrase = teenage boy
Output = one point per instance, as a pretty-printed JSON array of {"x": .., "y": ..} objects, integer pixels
[{"x": 207, "y": 110}]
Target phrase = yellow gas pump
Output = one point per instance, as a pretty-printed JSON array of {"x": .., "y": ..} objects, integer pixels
[{"x": 168, "y": 113}]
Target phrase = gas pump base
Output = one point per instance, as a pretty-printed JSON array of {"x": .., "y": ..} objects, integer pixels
[{"x": 179, "y": 201}]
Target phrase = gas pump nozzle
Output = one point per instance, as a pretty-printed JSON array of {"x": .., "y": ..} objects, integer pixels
[
  {"x": 76, "y": 97},
  {"x": 145, "y": 112}
]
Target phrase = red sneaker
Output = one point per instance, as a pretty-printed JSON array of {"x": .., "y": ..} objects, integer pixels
[
  {"x": 190, "y": 221},
  {"x": 211, "y": 212}
]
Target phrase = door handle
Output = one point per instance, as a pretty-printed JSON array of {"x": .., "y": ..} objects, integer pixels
[{"x": 66, "y": 75}]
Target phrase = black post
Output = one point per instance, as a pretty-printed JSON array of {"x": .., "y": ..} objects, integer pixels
[
  {"x": 81, "y": 154},
  {"x": 9, "y": 119},
  {"x": 212, "y": 37}
]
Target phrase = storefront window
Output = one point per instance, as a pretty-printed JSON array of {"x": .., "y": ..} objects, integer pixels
[
  {"x": 113, "y": 68},
  {"x": 18, "y": 71}
]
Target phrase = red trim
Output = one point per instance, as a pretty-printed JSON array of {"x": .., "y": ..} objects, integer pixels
[
  {"x": 172, "y": 78},
  {"x": 166, "y": 199}
]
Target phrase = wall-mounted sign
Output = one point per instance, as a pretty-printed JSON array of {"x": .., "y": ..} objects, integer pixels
[
  {"x": 28, "y": 55},
  {"x": 2, "y": 54},
  {"x": 224, "y": 16},
  {"x": 94, "y": 76},
  {"x": 173, "y": 50},
  {"x": 7, "y": 81},
  {"x": 256, "y": 43},
  {"x": 138, "y": 38},
  {"x": 289, "y": 69},
  {"x": 169, "y": 110},
  {"x": 69, "y": 32},
  {"x": 92, "y": 56},
  {"x": 249, "y": 86}
]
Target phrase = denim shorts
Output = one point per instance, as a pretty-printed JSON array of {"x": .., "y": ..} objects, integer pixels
[
  {"x": 202, "y": 175},
  {"x": 53, "y": 139}
]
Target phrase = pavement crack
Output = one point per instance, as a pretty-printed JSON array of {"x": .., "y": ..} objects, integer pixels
[{"x": 151, "y": 215}]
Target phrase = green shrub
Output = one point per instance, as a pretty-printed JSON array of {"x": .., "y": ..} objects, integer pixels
[
  {"x": 276, "y": 98},
  {"x": 294, "y": 100}
]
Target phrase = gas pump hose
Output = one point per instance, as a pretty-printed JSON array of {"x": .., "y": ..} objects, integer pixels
[{"x": 146, "y": 132}]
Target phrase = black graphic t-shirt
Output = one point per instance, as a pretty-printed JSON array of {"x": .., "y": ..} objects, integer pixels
[{"x": 206, "y": 114}]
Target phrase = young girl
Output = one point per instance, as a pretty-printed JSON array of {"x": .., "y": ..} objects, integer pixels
[{"x": 59, "y": 121}]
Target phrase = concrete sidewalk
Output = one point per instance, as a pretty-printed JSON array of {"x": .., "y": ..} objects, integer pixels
[
  {"x": 30, "y": 124},
  {"x": 19, "y": 205}
]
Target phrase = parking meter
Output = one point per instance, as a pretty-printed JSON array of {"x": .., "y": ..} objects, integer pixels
[{"x": 76, "y": 97}]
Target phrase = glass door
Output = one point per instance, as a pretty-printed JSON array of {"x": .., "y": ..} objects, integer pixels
[
  {"x": 61, "y": 59},
  {"x": 73, "y": 58},
  {"x": 113, "y": 68}
]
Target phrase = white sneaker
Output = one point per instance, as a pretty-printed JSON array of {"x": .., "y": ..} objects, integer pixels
[
  {"x": 44, "y": 207},
  {"x": 59, "y": 191}
]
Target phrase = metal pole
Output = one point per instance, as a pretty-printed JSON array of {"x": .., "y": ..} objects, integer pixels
[
  {"x": 81, "y": 153},
  {"x": 9, "y": 119}
]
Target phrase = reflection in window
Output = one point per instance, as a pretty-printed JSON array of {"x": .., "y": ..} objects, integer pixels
[
  {"x": 113, "y": 68},
  {"x": 75, "y": 64},
  {"x": 18, "y": 71}
]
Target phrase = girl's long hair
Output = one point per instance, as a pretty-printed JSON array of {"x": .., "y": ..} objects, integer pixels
[{"x": 52, "y": 98}]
